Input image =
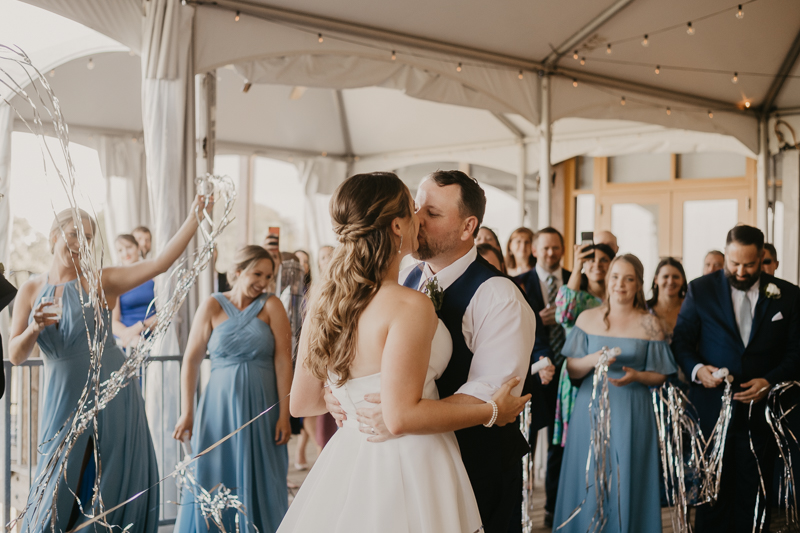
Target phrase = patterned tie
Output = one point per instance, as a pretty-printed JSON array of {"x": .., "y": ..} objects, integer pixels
[
  {"x": 557, "y": 335},
  {"x": 745, "y": 321}
]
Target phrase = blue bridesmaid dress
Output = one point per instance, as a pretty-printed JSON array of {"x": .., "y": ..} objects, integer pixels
[
  {"x": 127, "y": 458},
  {"x": 134, "y": 304},
  {"x": 242, "y": 384},
  {"x": 634, "y": 441}
]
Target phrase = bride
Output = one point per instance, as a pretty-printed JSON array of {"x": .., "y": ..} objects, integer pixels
[{"x": 365, "y": 333}]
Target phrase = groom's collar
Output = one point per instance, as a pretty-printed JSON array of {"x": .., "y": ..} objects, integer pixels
[{"x": 449, "y": 274}]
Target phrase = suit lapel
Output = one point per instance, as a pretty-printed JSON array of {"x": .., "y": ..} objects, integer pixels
[
  {"x": 537, "y": 289},
  {"x": 761, "y": 307},
  {"x": 724, "y": 295}
]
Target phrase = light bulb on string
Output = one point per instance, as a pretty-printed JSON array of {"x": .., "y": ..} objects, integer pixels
[
  {"x": 520, "y": 74},
  {"x": 710, "y": 114},
  {"x": 608, "y": 49},
  {"x": 622, "y": 101},
  {"x": 669, "y": 111},
  {"x": 740, "y": 13},
  {"x": 90, "y": 64},
  {"x": 394, "y": 55},
  {"x": 319, "y": 37},
  {"x": 747, "y": 104},
  {"x": 236, "y": 18},
  {"x": 735, "y": 78},
  {"x": 458, "y": 68},
  {"x": 689, "y": 28},
  {"x": 583, "y": 61},
  {"x": 574, "y": 82},
  {"x": 645, "y": 42},
  {"x": 658, "y": 69},
  {"x": 53, "y": 73},
  {"x": 575, "y": 55}
]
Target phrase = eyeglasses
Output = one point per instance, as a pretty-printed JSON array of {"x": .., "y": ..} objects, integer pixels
[{"x": 766, "y": 262}]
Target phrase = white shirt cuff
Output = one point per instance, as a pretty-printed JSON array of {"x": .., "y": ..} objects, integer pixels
[{"x": 694, "y": 372}]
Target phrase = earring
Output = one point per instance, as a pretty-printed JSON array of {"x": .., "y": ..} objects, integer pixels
[{"x": 401, "y": 245}]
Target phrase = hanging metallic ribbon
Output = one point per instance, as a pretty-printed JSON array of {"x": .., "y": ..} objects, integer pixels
[{"x": 776, "y": 414}]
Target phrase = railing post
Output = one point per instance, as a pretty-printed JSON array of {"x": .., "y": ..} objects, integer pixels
[{"x": 5, "y": 451}]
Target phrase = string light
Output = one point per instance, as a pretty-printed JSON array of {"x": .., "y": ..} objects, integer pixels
[
  {"x": 735, "y": 78},
  {"x": 608, "y": 48},
  {"x": 574, "y": 82},
  {"x": 236, "y": 18},
  {"x": 53, "y": 73},
  {"x": 622, "y": 101},
  {"x": 458, "y": 68},
  {"x": 669, "y": 111},
  {"x": 324, "y": 154},
  {"x": 319, "y": 37},
  {"x": 689, "y": 28},
  {"x": 90, "y": 64},
  {"x": 658, "y": 69},
  {"x": 740, "y": 13},
  {"x": 247, "y": 86},
  {"x": 394, "y": 55},
  {"x": 644, "y": 41},
  {"x": 747, "y": 104},
  {"x": 583, "y": 61},
  {"x": 710, "y": 114},
  {"x": 575, "y": 55},
  {"x": 520, "y": 74}
]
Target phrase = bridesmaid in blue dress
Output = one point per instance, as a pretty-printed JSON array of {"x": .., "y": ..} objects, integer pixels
[
  {"x": 645, "y": 361},
  {"x": 247, "y": 335},
  {"x": 133, "y": 312},
  {"x": 123, "y": 445}
]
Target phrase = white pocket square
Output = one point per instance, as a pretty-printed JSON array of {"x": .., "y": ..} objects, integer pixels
[{"x": 777, "y": 317}]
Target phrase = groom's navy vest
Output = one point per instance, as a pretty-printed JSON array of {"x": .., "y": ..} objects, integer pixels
[{"x": 485, "y": 451}]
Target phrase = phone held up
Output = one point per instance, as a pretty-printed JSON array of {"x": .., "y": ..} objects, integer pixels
[{"x": 587, "y": 239}]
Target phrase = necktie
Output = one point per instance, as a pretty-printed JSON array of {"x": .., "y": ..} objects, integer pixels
[
  {"x": 745, "y": 319},
  {"x": 557, "y": 335}
]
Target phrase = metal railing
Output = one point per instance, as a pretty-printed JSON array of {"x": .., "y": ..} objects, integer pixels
[{"x": 24, "y": 385}]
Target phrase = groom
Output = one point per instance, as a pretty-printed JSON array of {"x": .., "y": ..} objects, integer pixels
[{"x": 493, "y": 330}]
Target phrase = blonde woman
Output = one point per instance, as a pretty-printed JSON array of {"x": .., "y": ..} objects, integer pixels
[
  {"x": 622, "y": 321},
  {"x": 365, "y": 333},
  {"x": 519, "y": 252}
]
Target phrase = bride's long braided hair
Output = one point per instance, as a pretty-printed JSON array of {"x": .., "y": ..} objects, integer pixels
[{"x": 362, "y": 210}]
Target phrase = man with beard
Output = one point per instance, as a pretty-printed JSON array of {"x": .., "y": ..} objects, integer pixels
[
  {"x": 748, "y": 322},
  {"x": 493, "y": 331}
]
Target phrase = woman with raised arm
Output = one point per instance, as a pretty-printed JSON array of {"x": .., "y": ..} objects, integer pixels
[
  {"x": 118, "y": 447},
  {"x": 248, "y": 336},
  {"x": 133, "y": 312},
  {"x": 623, "y": 322},
  {"x": 363, "y": 333}
]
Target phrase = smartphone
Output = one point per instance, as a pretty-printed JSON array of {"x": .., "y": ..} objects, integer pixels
[
  {"x": 587, "y": 239},
  {"x": 273, "y": 238}
]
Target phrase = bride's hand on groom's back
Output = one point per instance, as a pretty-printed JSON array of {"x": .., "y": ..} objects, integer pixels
[
  {"x": 334, "y": 407},
  {"x": 508, "y": 405}
]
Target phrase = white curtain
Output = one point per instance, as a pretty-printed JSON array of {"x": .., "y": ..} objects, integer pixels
[
  {"x": 6, "y": 128},
  {"x": 122, "y": 162}
]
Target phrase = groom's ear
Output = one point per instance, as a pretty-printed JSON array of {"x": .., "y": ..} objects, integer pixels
[{"x": 469, "y": 228}]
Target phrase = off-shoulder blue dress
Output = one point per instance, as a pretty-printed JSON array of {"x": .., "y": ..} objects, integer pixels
[
  {"x": 242, "y": 384},
  {"x": 636, "y": 507},
  {"x": 127, "y": 458}
]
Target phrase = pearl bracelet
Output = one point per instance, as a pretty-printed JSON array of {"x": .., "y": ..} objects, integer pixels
[{"x": 494, "y": 414}]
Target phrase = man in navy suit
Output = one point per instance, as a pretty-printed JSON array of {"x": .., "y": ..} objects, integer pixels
[
  {"x": 748, "y": 322},
  {"x": 541, "y": 286}
]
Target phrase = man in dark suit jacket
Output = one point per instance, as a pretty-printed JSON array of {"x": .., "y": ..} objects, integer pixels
[
  {"x": 541, "y": 284},
  {"x": 748, "y": 322},
  {"x": 7, "y": 293}
]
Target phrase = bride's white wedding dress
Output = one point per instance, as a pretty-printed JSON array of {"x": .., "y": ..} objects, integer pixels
[{"x": 415, "y": 483}]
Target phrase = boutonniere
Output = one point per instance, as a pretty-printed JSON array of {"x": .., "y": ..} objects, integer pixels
[
  {"x": 772, "y": 292},
  {"x": 434, "y": 292}
]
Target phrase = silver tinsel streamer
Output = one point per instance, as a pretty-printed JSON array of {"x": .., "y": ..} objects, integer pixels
[
  {"x": 599, "y": 445},
  {"x": 784, "y": 437},
  {"x": 96, "y": 394},
  {"x": 212, "y": 503}
]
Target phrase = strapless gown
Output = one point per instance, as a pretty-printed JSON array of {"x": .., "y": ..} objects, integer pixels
[{"x": 415, "y": 483}]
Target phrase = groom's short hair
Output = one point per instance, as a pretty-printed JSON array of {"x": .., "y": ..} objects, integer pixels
[
  {"x": 473, "y": 199},
  {"x": 746, "y": 235}
]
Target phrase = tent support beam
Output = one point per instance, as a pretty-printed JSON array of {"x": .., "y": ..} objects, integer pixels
[
  {"x": 345, "y": 125},
  {"x": 523, "y": 169},
  {"x": 585, "y": 32},
  {"x": 545, "y": 169},
  {"x": 762, "y": 174},
  {"x": 395, "y": 38},
  {"x": 780, "y": 78},
  {"x": 510, "y": 126}
]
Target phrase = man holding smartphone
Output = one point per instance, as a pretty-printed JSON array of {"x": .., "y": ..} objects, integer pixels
[{"x": 541, "y": 287}]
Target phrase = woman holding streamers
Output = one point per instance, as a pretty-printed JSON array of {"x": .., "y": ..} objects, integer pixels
[
  {"x": 248, "y": 336},
  {"x": 50, "y": 311},
  {"x": 633, "y": 503}
]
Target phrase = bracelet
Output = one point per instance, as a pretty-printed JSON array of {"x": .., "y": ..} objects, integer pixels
[{"x": 494, "y": 414}]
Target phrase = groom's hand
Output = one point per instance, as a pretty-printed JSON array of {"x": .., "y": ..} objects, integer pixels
[
  {"x": 370, "y": 420},
  {"x": 754, "y": 390},
  {"x": 706, "y": 377},
  {"x": 334, "y": 407}
]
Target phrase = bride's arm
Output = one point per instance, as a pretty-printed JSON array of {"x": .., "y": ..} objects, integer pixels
[
  {"x": 404, "y": 367},
  {"x": 306, "y": 398}
]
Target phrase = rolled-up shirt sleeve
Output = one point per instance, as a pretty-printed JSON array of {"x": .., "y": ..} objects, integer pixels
[{"x": 500, "y": 329}]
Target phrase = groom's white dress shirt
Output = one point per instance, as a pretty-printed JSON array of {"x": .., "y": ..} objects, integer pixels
[{"x": 499, "y": 328}]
